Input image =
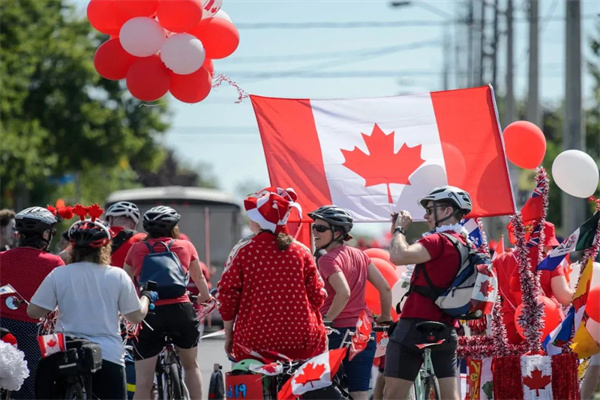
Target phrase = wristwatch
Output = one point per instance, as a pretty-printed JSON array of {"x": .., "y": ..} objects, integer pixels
[{"x": 400, "y": 229}]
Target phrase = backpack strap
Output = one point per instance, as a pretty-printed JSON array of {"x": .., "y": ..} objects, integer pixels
[
  {"x": 431, "y": 291},
  {"x": 121, "y": 238},
  {"x": 152, "y": 246}
]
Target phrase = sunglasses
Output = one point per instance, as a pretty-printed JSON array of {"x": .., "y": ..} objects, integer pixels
[
  {"x": 320, "y": 228},
  {"x": 429, "y": 210}
]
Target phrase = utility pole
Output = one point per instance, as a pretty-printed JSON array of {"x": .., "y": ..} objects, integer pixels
[
  {"x": 470, "y": 61},
  {"x": 495, "y": 47},
  {"x": 573, "y": 209},
  {"x": 447, "y": 54},
  {"x": 482, "y": 51},
  {"x": 509, "y": 115},
  {"x": 533, "y": 100}
]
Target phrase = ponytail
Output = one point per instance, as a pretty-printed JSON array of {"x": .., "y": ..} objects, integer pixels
[{"x": 283, "y": 241}]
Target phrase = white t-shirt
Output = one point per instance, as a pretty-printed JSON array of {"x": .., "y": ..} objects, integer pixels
[{"x": 89, "y": 298}]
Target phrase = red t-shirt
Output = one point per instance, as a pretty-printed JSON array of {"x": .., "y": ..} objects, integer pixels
[
  {"x": 274, "y": 296},
  {"x": 185, "y": 251},
  {"x": 442, "y": 269},
  {"x": 24, "y": 268},
  {"x": 118, "y": 257},
  {"x": 354, "y": 264}
]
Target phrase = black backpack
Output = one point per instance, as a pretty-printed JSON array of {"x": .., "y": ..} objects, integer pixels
[
  {"x": 166, "y": 270},
  {"x": 121, "y": 238}
]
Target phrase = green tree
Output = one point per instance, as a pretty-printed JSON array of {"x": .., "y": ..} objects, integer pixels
[{"x": 58, "y": 115}]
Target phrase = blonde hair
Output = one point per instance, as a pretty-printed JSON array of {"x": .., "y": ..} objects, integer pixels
[{"x": 100, "y": 255}]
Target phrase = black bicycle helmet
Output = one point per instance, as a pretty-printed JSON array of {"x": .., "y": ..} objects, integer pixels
[
  {"x": 335, "y": 216},
  {"x": 35, "y": 219},
  {"x": 89, "y": 233},
  {"x": 124, "y": 209},
  {"x": 457, "y": 196},
  {"x": 161, "y": 218}
]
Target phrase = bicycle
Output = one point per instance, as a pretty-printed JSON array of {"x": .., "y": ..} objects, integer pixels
[{"x": 426, "y": 381}]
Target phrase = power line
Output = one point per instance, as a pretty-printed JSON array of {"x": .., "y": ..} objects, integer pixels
[
  {"x": 372, "y": 24},
  {"x": 339, "y": 54}
]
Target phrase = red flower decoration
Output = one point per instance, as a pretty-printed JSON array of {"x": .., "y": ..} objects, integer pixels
[{"x": 52, "y": 209}]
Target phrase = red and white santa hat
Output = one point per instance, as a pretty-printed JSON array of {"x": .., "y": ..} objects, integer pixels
[{"x": 271, "y": 206}]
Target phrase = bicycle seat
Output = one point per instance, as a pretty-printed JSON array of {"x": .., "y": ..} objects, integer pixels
[{"x": 430, "y": 330}]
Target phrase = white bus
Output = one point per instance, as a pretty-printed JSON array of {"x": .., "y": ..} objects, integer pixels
[{"x": 209, "y": 217}]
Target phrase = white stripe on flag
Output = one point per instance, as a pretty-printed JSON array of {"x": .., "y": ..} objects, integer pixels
[{"x": 7, "y": 289}]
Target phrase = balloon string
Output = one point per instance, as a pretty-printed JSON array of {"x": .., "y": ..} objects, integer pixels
[{"x": 220, "y": 78}]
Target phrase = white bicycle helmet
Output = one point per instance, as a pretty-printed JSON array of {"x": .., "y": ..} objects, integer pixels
[
  {"x": 160, "y": 218},
  {"x": 35, "y": 219},
  {"x": 124, "y": 209},
  {"x": 455, "y": 195}
]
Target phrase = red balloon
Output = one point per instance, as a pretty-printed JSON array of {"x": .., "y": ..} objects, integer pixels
[
  {"x": 209, "y": 65},
  {"x": 191, "y": 88},
  {"x": 525, "y": 144},
  {"x": 219, "y": 37},
  {"x": 112, "y": 61},
  {"x": 388, "y": 271},
  {"x": 378, "y": 253},
  {"x": 179, "y": 15},
  {"x": 592, "y": 306},
  {"x": 551, "y": 316},
  {"x": 139, "y": 8},
  {"x": 106, "y": 16},
  {"x": 148, "y": 79}
]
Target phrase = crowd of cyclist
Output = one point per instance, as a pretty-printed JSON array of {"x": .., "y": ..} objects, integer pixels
[{"x": 275, "y": 294}]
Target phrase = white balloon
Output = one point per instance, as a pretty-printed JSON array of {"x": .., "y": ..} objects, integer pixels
[
  {"x": 183, "y": 53},
  {"x": 142, "y": 36},
  {"x": 576, "y": 173},
  {"x": 211, "y": 7},
  {"x": 222, "y": 14}
]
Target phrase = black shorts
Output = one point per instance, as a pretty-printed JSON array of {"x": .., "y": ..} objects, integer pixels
[
  {"x": 403, "y": 359},
  {"x": 178, "y": 321}
]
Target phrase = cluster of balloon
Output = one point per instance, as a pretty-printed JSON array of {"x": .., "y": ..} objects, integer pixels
[
  {"x": 162, "y": 45},
  {"x": 381, "y": 259}
]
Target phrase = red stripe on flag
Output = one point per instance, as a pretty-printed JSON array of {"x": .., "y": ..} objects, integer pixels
[
  {"x": 289, "y": 136},
  {"x": 467, "y": 122}
]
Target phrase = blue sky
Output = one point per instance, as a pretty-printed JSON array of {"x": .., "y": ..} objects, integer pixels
[{"x": 298, "y": 61}]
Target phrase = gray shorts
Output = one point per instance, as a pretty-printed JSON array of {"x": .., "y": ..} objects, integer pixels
[{"x": 403, "y": 359}]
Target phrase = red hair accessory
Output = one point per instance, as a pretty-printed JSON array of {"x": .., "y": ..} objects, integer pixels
[
  {"x": 95, "y": 211},
  {"x": 80, "y": 211}
]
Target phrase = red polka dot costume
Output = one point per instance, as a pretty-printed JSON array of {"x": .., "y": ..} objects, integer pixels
[{"x": 274, "y": 295}]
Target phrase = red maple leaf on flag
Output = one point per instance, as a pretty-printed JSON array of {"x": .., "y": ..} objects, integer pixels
[
  {"x": 51, "y": 343},
  {"x": 537, "y": 381},
  {"x": 310, "y": 373},
  {"x": 270, "y": 368},
  {"x": 382, "y": 165},
  {"x": 486, "y": 288}
]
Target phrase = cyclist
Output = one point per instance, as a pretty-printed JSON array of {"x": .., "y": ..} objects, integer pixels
[
  {"x": 175, "y": 317},
  {"x": 90, "y": 294},
  {"x": 123, "y": 217},
  {"x": 25, "y": 267},
  {"x": 7, "y": 229},
  {"x": 271, "y": 288},
  {"x": 444, "y": 208},
  {"x": 346, "y": 271}
]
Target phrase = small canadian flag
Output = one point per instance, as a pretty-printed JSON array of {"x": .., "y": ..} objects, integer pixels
[{"x": 50, "y": 344}]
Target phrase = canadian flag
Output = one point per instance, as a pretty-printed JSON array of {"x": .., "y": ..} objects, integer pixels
[
  {"x": 361, "y": 336},
  {"x": 536, "y": 372},
  {"x": 50, "y": 344},
  {"x": 316, "y": 373},
  {"x": 375, "y": 156}
]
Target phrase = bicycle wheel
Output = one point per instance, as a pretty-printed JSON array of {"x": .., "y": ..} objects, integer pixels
[
  {"x": 432, "y": 388},
  {"x": 173, "y": 384}
]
